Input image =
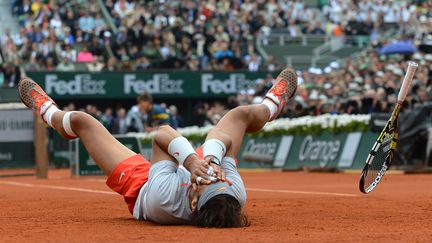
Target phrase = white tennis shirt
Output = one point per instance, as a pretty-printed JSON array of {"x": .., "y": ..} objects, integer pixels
[{"x": 164, "y": 198}]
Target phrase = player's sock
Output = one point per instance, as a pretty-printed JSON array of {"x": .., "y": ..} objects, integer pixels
[
  {"x": 273, "y": 108},
  {"x": 47, "y": 111}
]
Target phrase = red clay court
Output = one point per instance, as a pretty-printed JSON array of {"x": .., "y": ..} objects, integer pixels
[{"x": 282, "y": 206}]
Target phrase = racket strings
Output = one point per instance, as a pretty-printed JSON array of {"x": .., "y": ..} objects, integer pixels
[{"x": 377, "y": 167}]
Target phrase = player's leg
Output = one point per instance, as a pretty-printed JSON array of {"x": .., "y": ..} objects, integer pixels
[
  {"x": 251, "y": 118},
  {"x": 107, "y": 151},
  {"x": 101, "y": 145},
  {"x": 237, "y": 122}
]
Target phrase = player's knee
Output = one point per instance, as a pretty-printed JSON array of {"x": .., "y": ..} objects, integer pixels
[
  {"x": 243, "y": 111},
  {"x": 162, "y": 132},
  {"x": 164, "y": 129},
  {"x": 78, "y": 118}
]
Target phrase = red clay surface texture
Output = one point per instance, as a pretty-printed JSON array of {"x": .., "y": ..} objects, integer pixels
[{"x": 283, "y": 207}]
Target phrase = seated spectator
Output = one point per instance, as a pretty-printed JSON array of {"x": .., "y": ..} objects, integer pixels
[
  {"x": 50, "y": 64},
  {"x": 68, "y": 38},
  {"x": 56, "y": 22},
  {"x": 11, "y": 74},
  {"x": 33, "y": 65},
  {"x": 96, "y": 47},
  {"x": 65, "y": 65},
  {"x": 86, "y": 22},
  {"x": 68, "y": 53},
  {"x": 126, "y": 65},
  {"x": 93, "y": 110},
  {"x": 123, "y": 8},
  {"x": 254, "y": 63},
  {"x": 271, "y": 64},
  {"x": 96, "y": 66},
  {"x": 157, "y": 115},
  {"x": 99, "y": 24},
  {"x": 111, "y": 65},
  {"x": 177, "y": 120},
  {"x": 119, "y": 125},
  {"x": 107, "y": 119},
  {"x": 136, "y": 117},
  {"x": 142, "y": 63},
  {"x": 223, "y": 50},
  {"x": 84, "y": 55},
  {"x": 201, "y": 118}
]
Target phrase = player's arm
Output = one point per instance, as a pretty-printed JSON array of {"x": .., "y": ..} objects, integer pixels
[
  {"x": 168, "y": 144},
  {"x": 217, "y": 145}
]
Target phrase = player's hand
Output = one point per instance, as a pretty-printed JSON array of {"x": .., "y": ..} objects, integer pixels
[
  {"x": 220, "y": 174},
  {"x": 198, "y": 169}
]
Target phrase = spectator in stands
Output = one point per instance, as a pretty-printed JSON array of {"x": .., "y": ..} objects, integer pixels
[
  {"x": 119, "y": 124},
  {"x": 11, "y": 74},
  {"x": 50, "y": 64},
  {"x": 65, "y": 65},
  {"x": 70, "y": 107},
  {"x": 111, "y": 65},
  {"x": 142, "y": 63},
  {"x": 85, "y": 55},
  {"x": 271, "y": 64},
  {"x": 96, "y": 47},
  {"x": 177, "y": 120},
  {"x": 99, "y": 24},
  {"x": 33, "y": 65},
  {"x": 55, "y": 22},
  {"x": 123, "y": 8},
  {"x": 157, "y": 114},
  {"x": 254, "y": 63},
  {"x": 86, "y": 22},
  {"x": 96, "y": 66},
  {"x": 136, "y": 118},
  {"x": 93, "y": 110},
  {"x": 107, "y": 119},
  {"x": 201, "y": 118},
  {"x": 69, "y": 53}
]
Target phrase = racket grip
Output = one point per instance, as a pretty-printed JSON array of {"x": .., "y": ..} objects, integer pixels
[{"x": 406, "y": 84}]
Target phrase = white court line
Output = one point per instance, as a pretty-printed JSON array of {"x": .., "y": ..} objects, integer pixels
[
  {"x": 303, "y": 192},
  {"x": 64, "y": 188},
  {"x": 78, "y": 189}
]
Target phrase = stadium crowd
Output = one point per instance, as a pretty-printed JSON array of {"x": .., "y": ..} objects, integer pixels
[
  {"x": 191, "y": 35},
  {"x": 219, "y": 35}
]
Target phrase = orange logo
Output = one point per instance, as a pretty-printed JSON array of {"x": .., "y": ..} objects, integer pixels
[{"x": 221, "y": 189}]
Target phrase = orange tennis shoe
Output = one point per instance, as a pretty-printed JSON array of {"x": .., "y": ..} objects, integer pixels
[
  {"x": 34, "y": 97},
  {"x": 283, "y": 89}
]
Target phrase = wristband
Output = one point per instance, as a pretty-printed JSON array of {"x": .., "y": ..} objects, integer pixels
[
  {"x": 180, "y": 149},
  {"x": 215, "y": 148}
]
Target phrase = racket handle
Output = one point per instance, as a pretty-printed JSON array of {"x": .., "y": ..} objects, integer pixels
[{"x": 406, "y": 84}]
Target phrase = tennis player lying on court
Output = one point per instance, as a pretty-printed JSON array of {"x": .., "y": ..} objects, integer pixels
[{"x": 205, "y": 192}]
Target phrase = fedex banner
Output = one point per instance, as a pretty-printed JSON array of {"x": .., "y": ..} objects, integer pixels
[{"x": 119, "y": 85}]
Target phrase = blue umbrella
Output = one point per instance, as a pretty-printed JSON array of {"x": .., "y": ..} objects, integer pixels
[{"x": 403, "y": 47}]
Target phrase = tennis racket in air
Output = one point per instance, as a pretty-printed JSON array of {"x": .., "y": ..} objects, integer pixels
[{"x": 381, "y": 156}]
